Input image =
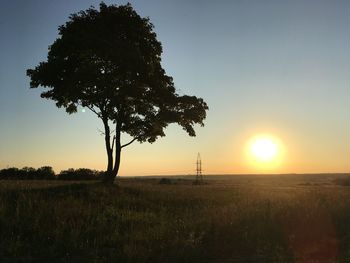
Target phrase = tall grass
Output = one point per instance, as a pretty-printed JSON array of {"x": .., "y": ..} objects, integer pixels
[{"x": 142, "y": 221}]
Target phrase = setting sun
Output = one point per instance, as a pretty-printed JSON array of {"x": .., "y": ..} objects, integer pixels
[
  {"x": 264, "y": 149},
  {"x": 264, "y": 152}
]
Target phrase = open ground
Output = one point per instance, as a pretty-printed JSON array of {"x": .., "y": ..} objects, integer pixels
[{"x": 242, "y": 218}]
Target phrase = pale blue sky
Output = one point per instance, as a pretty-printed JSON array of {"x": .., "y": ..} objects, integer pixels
[{"x": 276, "y": 67}]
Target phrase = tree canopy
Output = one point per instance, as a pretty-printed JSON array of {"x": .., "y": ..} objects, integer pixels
[{"x": 109, "y": 61}]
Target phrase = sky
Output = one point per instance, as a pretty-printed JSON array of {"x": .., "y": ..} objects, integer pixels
[{"x": 264, "y": 67}]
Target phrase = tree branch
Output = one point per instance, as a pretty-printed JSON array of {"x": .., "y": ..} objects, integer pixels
[
  {"x": 93, "y": 110},
  {"x": 129, "y": 142},
  {"x": 102, "y": 133},
  {"x": 113, "y": 142}
]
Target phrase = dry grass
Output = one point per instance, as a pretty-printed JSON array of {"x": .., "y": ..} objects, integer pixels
[{"x": 240, "y": 219}]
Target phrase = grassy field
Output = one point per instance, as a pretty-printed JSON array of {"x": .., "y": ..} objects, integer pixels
[{"x": 287, "y": 218}]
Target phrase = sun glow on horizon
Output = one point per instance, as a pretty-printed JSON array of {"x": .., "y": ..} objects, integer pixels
[
  {"x": 264, "y": 149},
  {"x": 264, "y": 152}
]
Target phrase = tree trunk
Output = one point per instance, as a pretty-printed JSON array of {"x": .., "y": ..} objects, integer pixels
[
  {"x": 112, "y": 172},
  {"x": 109, "y": 173},
  {"x": 117, "y": 153}
]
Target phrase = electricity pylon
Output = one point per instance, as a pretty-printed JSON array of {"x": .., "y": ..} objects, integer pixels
[{"x": 199, "y": 176}]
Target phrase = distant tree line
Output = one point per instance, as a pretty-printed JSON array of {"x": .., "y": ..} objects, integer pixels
[{"x": 47, "y": 173}]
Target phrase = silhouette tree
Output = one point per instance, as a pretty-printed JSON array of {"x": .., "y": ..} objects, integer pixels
[{"x": 109, "y": 61}]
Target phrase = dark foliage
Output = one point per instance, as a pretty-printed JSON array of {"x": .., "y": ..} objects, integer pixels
[
  {"x": 79, "y": 174},
  {"x": 45, "y": 172},
  {"x": 166, "y": 181},
  {"x": 344, "y": 181}
]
